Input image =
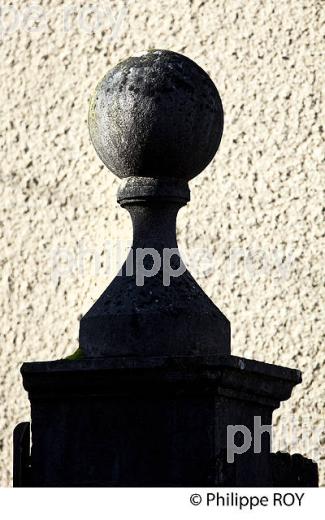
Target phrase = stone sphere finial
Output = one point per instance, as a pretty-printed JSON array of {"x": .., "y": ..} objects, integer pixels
[{"x": 156, "y": 115}]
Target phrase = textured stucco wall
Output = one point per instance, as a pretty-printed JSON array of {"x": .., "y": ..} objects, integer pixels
[{"x": 256, "y": 210}]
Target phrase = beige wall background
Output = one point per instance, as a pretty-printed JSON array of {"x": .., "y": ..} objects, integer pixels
[{"x": 255, "y": 211}]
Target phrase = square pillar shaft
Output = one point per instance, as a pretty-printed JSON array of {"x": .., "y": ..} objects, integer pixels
[{"x": 151, "y": 422}]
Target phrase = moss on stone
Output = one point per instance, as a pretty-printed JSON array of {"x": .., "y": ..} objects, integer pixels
[{"x": 78, "y": 354}]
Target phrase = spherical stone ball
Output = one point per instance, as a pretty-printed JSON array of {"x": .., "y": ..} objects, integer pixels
[{"x": 156, "y": 115}]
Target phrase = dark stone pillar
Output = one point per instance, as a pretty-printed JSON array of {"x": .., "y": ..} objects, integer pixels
[
  {"x": 152, "y": 422},
  {"x": 151, "y": 398}
]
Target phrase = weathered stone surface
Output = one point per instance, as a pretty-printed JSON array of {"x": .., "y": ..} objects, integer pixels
[
  {"x": 156, "y": 120},
  {"x": 153, "y": 409},
  {"x": 256, "y": 211},
  {"x": 150, "y": 421},
  {"x": 156, "y": 115}
]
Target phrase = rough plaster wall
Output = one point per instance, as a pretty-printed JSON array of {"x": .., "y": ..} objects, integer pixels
[{"x": 256, "y": 210}]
